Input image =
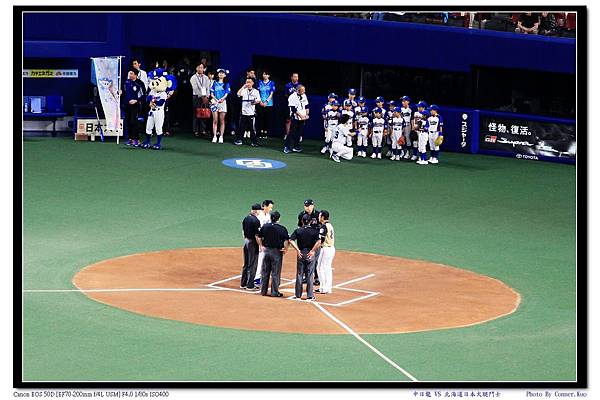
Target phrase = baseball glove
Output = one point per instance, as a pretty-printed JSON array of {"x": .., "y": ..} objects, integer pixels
[
  {"x": 439, "y": 140},
  {"x": 414, "y": 136},
  {"x": 401, "y": 140}
]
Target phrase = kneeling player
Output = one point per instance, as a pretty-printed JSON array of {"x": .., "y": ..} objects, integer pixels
[{"x": 340, "y": 137}]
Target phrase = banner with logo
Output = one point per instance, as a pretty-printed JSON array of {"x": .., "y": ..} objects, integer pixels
[
  {"x": 50, "y": 73},
  {"x": 527, "y": 138},
  {"x": 107, "y": 78}
]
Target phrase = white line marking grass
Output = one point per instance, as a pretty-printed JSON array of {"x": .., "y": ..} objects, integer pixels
[
  {"x": 363, "y": 341},
  {"x": 339, "y": 285}
]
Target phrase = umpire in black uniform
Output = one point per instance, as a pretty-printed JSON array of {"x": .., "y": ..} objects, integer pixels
[
  {"x": 274, "y": 239},
  {"x": 306, "y": 241},
  {"x": 309, "y": 209},
  {"x": 250, "y": 227}
]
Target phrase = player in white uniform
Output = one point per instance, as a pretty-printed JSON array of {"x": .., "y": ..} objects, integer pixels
[
  {"x": 435, "y": 125},
  {"x": 388, "y": 118},
  {"x": 330, "y": 115},
  {"x": 327, "y": 253},
  {"x": 362, "y": 102},
  {"x": 362, "y": 127},
  {"x": 378, "y": 126},
  {"x": 396, "y": 127},
  {"x": 340, "y": 135},
  {"x": 407, "y": 115},
  {"x": 349, "y": 110},
  {"x": 264, "y": 216},
  {"x": 421, "y": 128}
]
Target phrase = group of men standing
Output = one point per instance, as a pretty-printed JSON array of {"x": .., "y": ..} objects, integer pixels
[{"x": 266, "y": 241}]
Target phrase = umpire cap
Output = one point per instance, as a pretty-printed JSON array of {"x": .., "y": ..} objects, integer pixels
[
  {"x": 308, "y": 202},
  {"x": 305, "y": 219}
]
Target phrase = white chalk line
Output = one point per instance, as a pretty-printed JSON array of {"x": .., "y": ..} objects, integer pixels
[
  {"x": 121, "y": 290},
  {"x": 339, "y": 285},
  {"x": 363, "y": 341}
]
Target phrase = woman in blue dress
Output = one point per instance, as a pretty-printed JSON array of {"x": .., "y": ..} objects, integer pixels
[{"x": 218, "y": 94}]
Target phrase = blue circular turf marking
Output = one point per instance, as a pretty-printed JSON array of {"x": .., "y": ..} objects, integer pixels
[{"x": 253, "y": 163}]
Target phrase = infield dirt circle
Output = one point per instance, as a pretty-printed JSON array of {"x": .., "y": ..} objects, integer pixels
[{"x": 372, "y": 293}]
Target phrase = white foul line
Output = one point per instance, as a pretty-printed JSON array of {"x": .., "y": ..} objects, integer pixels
[
  {"x": 353, "y": 280},
  {"x": 120, "y": 290},
  {"x": 225, "y": 280},
  {"x": 356, "y": 299},
  {"x": 363, "y": 341}
]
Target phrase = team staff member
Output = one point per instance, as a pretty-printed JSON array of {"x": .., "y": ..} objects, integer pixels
[
  {"x": 134, "y": 94},
  {"x": 309, "y": 209},
  {"x": 250, "y": 228},
  {"x": 274, "y": 241},
  {"x": 306, "y": 241},
  {"x": 298, "y": 103},
  {"x": 325, "y": 260},
  {"x": 264, "y": 217},
  {"x": 200, "y": 92}
]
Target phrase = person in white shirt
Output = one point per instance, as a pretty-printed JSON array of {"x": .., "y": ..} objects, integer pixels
[
  {"x": 340, "y": 136},
  {"x": 250, "y": 98},
  {"x": 200, "y": 92},
  {"x": 264, "y": 217},
  {"x": 297, "y": 102},
  {"x": 142, "y": 75}
]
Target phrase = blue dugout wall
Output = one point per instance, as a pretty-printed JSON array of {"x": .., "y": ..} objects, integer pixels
[{"x": 72, "y": 38}]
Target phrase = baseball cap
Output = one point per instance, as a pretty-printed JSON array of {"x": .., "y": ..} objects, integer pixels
[
  {"x": 391, "y": 103},
  {"x": 332, "y": 95},
  {"x": 405, "y": 98},
  {"x": 379, "y": 99},
  {"x": 352, "y": 91},
  {"x": 335, "y": 103},
  {"x": 425, "y": 113},
  {"x": 306, "y": 218},
  {"x": 364, "y": 109},
  {"x": 397, "y": 109},
  {"x": 308, "y": 202},
  {"x": 422, "y": 104},
  {"x": 434, "y": 107},
  {"x": 256, "y": 207},
  {"x": 377, "y": 110},
  {"x": 347, "y": 103},
  {"x": 361, "y": 99}
]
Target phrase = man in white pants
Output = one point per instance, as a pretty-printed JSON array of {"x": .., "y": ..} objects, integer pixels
[
  {"x": 327, "y": 236},
  {"x": 340, "y": 136},
  {"x": 264, "y": 217}
]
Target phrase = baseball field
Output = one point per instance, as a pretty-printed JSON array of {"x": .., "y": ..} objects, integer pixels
[{"x": 460, "y": 271}]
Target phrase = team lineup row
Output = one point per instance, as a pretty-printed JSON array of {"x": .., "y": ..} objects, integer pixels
[{"x": 405, "y": 131}]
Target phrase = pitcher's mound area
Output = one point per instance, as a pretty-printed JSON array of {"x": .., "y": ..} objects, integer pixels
[{"x": 372, "y": 293}]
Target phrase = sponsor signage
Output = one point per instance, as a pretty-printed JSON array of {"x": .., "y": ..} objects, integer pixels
[
  {"x": 50, "y": 73},
  {"x": 527, "y": 139},
  {"x": 253, "y": 163},
  {"x": 90, "y": 127}
]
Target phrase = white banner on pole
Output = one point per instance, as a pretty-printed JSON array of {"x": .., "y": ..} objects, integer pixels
[{"x": 107, "y": 76}]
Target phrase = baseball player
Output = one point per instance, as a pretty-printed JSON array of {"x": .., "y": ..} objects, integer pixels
[
  {"x": 379, "y": 103},
  {"x": 407, "y": 115},
  {"x": 340, "y": 139},
  {"x": 264, "y": 217},
  {"x": 325, "y": 260},
  {"x": 435, "y": 125},
  {"x": 362, "y": 139},
  {"x": 388, "y": 116},
  {"x": 349, "y": 110},
  {"x": 330, "y": 118},
  {"x": 396, "y": 127},
  {"x": 351, "y": 98},
  {"x": 378, "y": 126},
  {"x": 423, "y": 135},
  {"x": 330, "y": 99},
  {"x": 362, "y": 102}
]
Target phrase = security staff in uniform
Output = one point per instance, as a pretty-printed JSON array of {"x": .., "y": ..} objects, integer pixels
[
  {"x": 134, "y": 96},
  {"x": 274, "y": 241},
  {"x": 250, "y": 227},
  {"x": 306, "y": 241},
  {"x": 309, "y": 209}
]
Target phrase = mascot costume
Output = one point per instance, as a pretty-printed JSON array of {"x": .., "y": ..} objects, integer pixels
[{"x": 161, "y": 84}]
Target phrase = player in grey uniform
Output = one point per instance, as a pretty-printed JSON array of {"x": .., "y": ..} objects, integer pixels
[{"x": 407, "y": 115}]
